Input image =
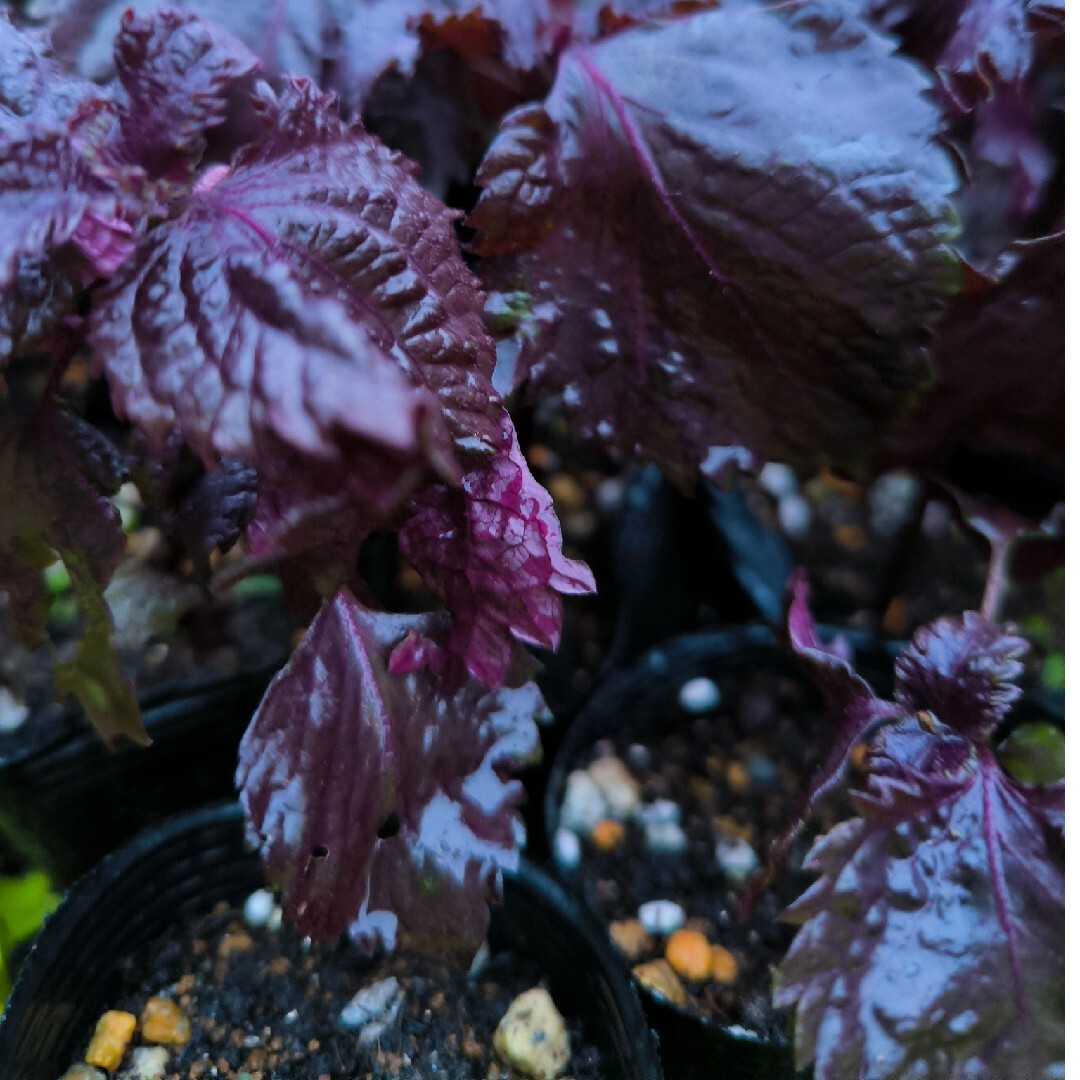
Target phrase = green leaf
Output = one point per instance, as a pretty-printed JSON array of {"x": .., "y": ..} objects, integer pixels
[
  {"x": 94, "y": 675},
  {"x": 1034, "y": 754},
  {"x": 24, "y": 903},
  {"x": 1053, "y": 672},
  {"x": 55, "y": 476}
]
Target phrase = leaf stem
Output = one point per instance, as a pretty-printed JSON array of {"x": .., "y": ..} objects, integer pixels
[{"x": 997, "y": 580}]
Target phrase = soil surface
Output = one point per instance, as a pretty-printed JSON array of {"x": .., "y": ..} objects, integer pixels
[
  {"x": 733, "y": 772},
  {"x": 265, "y": 1005}
]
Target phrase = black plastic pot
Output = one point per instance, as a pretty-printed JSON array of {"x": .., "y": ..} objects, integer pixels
[
  {"x": 67, "y": 799},
  {"x": 691, "y": 1048},
  {"x": 186, "y": 865}
]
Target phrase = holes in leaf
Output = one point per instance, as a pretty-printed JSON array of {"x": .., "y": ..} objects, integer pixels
[
  {"x": 390, "y": 827},
  {"x": 319, "y": 851}
]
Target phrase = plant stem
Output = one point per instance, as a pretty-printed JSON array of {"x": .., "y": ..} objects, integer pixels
[{"x": 997, "y": 580}]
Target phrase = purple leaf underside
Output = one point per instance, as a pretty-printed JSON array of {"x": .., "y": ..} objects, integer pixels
[{"x": 492, "y": 551}]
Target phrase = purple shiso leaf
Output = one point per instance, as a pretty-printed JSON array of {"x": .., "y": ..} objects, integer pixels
[
  {"x": 491, "y": 550},
  {"x": 62, "y": 224},
  {"x": 378, "y": 800},
  {"x": 55, "y": 473},
  {"x": 933, "y": 941},
  {"x": 854, "y": 712},
  {"x": 1007, "y": 134},
  {"x": 209, "y": 333},
  {"x": 710, "y": 249},
  {"x": 348, "y": 218},
  {"x": 202, "y": 509},
  {"x": 1000, "y": 360},
  {"x": 345, "y": 45},
  {"x": 290, "y": 316},
  {"x": 990, "y": 43},
  {"x": 597, "y": 18},
  {"x": 33, "y": 87},
  {"x": 962, "y": 671},
  {"x": 288, "y": 37},
  {"x": 35, "y": 301},
  {"x": 975, "y": 46},
  {"x": 49, "y": 198},
  {"x": 177, "y": 73}
]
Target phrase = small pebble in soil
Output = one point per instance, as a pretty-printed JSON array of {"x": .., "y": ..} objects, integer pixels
[
  {"x": 233, "y": 942},
  {"x": 936, "y": 519},
  {"x": 532, "y": 1036},
  {"x": 659, "y": 976},
  {"x": 147, "y": 1063},
  {"x": 736, "y": 858},
  {"x": 738, "y": 779},
  {"x": 700, "y": 695},
  {"x": 12, "y": 711},
  {"x": 794, "y": 515},
  {"x": 620, "y": 790},
  {"x": 661, "y": 917},
  {"x": 607, "y": 834},
  {"x": 163, "y": 1022},
  {"x": 891, "y": 499},
  {"x": 83, "y": 1072},
  {"x": 761, "y": 770},
  {"x": 723, "y": 967},
  {"x": 258, "y": 907},
  {"x": 567, "y": 849},
  {"x": 689, "y": 954},
  {"x": 665, "y": 838},
  {"x": 583, "y": 804},
  {"x": 778, "y": 479},
  {"x": 274, "y": 1010},
  {"x": 660, "y": 812},
  {"x": 373, "y": 1009},
  {"x": 639, "y": 757},
  {"x": 631, "y": 938},
  {"x": 110, "y": 1039}
]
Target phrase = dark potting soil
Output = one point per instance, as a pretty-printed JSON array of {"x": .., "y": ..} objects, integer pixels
[
  {"x": 265, "y": 1005},
  {"x": 733, "y": 772}
]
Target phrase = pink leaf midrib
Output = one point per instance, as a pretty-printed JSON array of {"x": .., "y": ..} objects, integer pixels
[{"x": 643, "y": 156}]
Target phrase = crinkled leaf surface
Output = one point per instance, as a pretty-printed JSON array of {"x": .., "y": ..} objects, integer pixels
[
  {"x": 344, "y": 45},
  {"x": 934, "y": 937},
  {"x": 492, "y": 551},
  {"x": 51, "y": 488},
  {"x": 380, "y": 800},
  {"x": 176, "y": 71},
  {"x": 32, "y": 304},
  {"x": 731, "y": 228},
  {"x": 49, "y": 197},
  {"x": 33, "y": 87},
  {"x": 289, "y": 316},
  {"x": 963, "y": 671},
  {"x": 932, "y": 941},
  {"x": 204, "y": 510},
  {"x": 1000, "y": 362},
  {"x": 320, "y": 249},
  {"x": 975, "y": 45},
  {"x": 208, "y": 332},
  {"x": 289, "y": 36}
]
